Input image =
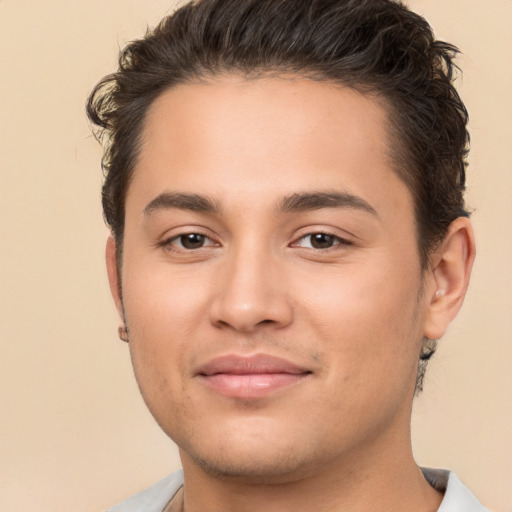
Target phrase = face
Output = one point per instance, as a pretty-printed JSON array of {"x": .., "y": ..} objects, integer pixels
[{"x": 271, "y": 279}]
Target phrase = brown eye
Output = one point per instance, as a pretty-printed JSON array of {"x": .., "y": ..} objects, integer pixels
[
  {"x": 322, "y": 240},
  {"x": 192, "y": 241}
]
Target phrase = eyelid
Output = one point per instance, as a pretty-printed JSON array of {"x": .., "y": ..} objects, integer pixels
[
  {"x": 167, "y": 241},
  {"x": 343, "y": 239},
  {"x": 339, "y": 241}
]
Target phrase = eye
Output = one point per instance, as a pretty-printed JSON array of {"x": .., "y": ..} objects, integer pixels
[
  {"x": 189, "y": 242},
  {"x": 320, "y": 241}
]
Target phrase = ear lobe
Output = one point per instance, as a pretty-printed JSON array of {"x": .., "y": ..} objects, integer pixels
[
  {"x": 451, "y": 270},
  {"x": 113, "y": 274}
]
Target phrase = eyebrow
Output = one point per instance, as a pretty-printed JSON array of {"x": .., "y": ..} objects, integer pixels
[
  {"x": 298, "y": 202},
  {"x": 318, "y": 200},
  {"x": 182, "y": 201}
]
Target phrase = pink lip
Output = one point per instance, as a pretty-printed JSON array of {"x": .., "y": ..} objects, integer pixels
[{"x": 250, "y": 376}]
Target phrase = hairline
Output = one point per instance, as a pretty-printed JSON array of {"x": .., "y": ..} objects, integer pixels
[{"x": 395, "y": 149}]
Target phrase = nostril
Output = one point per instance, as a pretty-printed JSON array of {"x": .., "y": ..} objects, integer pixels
[
  {"x": 263, "y": 322},
  {"x": 222, "y": 323}
]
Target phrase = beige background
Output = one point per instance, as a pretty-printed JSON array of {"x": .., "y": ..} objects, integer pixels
[{"x": 74, "y": 432}]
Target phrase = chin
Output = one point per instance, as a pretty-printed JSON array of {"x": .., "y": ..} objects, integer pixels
[
  {"x": 266, "y": 461},
  {"x": 254, "y": 470}
]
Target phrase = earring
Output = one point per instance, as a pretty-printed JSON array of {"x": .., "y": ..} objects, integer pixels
[
  {"x": 122, "y": 333},
  {"x": 440, "y": 293}
]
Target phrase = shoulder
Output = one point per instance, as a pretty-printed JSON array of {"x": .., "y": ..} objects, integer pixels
[
  {"x": 153, "y": 499},
  {"x": 457, "y": 497}
]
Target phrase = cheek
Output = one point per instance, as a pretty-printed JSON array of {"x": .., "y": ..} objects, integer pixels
[
  {"x": 362, "y": 296},
  {"x": 368, "y": 319},
  {"x": 162, "y": 313},
  {"x": 160, "y": 304}
]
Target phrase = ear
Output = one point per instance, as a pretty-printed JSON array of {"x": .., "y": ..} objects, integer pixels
[
  {"x": 113, "y": 274},
  {"x": 450, "y": 272}
]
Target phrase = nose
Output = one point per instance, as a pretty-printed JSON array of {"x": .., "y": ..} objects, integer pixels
[{"x": 250, "y": 294}]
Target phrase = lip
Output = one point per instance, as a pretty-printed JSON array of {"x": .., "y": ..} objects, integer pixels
[{"x": 250, "y": 377}]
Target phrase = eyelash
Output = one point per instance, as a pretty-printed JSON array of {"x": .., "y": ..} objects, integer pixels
[
  {"x": 168, "y": 243},
  {"x": 336, "y": 241}
]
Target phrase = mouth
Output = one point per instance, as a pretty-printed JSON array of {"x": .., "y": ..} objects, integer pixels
[{"x": 250, "y": 377}]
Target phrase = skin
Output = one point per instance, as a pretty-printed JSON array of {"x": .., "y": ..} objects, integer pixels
[{"x": 352, "y": 312}]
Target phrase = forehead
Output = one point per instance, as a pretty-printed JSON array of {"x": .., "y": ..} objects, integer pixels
[{"x": 269, "y": 137}]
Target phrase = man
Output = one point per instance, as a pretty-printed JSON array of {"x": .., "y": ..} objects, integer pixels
[{"x": 284, "y": 185}]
